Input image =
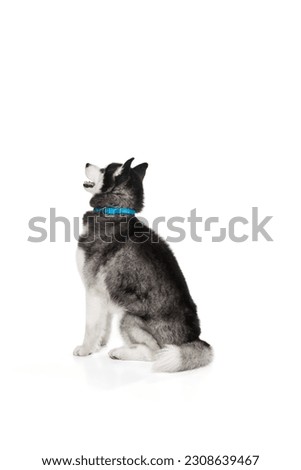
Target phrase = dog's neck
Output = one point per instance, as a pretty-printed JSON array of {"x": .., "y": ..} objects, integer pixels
[{"x": 110, "y": 226}]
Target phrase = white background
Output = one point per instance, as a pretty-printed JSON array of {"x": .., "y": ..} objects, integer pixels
[{"x": 208, "y": 93}]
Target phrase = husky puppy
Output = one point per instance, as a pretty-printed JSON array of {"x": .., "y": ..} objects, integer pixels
[{"x": 127, "y": 267}]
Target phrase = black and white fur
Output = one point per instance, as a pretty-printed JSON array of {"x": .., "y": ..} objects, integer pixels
[{"x": 128, "y": 268}]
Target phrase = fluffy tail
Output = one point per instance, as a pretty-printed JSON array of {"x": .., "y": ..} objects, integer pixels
[{"x": 185, "y": 357}]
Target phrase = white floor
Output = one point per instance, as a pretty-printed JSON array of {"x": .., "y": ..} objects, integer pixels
[{"x": 61, "y": 406}]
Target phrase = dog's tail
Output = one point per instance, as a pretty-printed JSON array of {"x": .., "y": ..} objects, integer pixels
[{"x": 185, "y": 357}]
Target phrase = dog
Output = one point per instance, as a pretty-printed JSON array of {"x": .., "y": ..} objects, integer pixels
[{"x": 127, "y": 268}]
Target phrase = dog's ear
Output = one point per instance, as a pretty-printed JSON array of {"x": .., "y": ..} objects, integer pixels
[
  {"x": 140, "y": 170},
  {"x": 124, "y": 172},
  {"x": 126, "y": 166}
]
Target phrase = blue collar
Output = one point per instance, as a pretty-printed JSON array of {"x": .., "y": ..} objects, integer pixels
[{"x": 115, "y": 210}]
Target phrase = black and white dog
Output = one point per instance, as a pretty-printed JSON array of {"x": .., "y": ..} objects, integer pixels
[{"x": 126, "y": 267}]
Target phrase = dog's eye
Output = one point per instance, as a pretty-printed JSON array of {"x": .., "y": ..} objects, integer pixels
[{"x": 102, "y": 170}]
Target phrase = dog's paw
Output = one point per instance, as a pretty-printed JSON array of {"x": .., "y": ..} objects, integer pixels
[
  {"x": 82, "y": 351},
  {"x": 116, "y": 353}
]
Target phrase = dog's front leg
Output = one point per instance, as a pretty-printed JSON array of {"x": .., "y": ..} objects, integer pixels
[{"x": 96, "y": 323}]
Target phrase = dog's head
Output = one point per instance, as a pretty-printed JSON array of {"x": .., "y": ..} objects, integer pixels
[{"x": 116, "y": 185}]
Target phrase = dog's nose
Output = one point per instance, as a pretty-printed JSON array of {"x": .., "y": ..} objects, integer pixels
[{"x": 87, "y": 164}]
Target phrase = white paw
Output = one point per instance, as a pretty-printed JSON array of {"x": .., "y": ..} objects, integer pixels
[
  {"x": 168, "y": 359},
  {"x": 115, "y": 353},
  {"x": 82, "y": 351}
]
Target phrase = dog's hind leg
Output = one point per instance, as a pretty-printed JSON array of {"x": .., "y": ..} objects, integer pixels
[
  {"x": 140, "y": 344},
  {"x": 135, "y": 352}
]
